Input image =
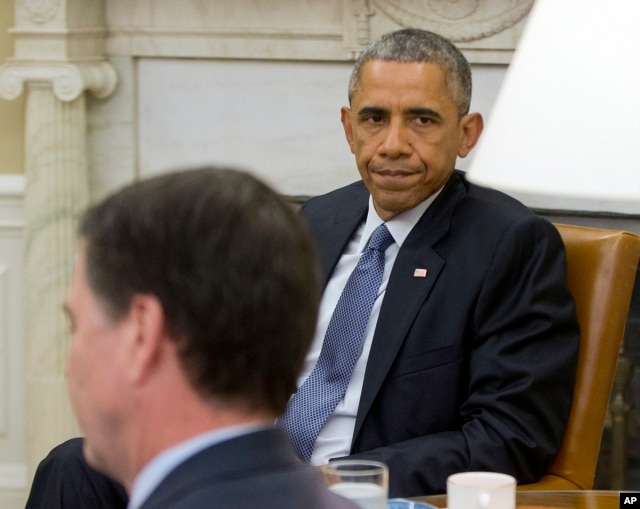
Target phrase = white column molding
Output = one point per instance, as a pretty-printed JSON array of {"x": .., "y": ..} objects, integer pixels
[
  {"x": 59, "y": 55},
  {"x": 57, "y": 191},
  {"x": 38, "y": 11},
  {"x": 14, "y": 480},
  {"x": 68, "y": 80}
]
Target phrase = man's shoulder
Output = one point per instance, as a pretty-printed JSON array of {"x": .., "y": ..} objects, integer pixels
[
  {"x": 258, "y": 469},
  {"x": 488, "y": 198},
  {"x": 474, "y": 203},
  {"x": 458, "y": 186},
  {"x": 486, "y": 205},
  {"x": 348, "y": 202},
  {"x": 295, "y": 486},
  {"x": 355, "y": 191},
  {"x": 486, "y": 217}
]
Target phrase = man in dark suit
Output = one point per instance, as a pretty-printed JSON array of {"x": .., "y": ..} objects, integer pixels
[
  {"x": 189, "y": 328},
  {"x": 469, "y": 355},
  {"x": 473, "y": 356}
]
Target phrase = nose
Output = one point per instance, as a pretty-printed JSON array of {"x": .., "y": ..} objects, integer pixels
[{"x": 396, "y": 141}]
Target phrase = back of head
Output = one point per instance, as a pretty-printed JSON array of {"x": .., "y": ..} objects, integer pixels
[
  {"x": 233, "y": 268},
  {"x": 412, "y": 45}
]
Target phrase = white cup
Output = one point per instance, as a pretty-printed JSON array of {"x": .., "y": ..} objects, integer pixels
[
  {"x": 366, "y": 483},
  {"x": 481, "y": 490}
]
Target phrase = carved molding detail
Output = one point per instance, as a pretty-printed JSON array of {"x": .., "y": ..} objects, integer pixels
[
  {"x": 454, "y": 9},
  {"x": 39, "y": 11},
  {"x": 362, "y": 12},
  {"x": 458, "y": 20},
  {"x": 68, "y": 80}
]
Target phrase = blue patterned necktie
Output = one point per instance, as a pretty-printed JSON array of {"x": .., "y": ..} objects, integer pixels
[{"x": 311, "y": 405}]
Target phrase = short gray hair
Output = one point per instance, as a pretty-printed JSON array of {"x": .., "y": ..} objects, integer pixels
[{"x": 415, "y": 45}]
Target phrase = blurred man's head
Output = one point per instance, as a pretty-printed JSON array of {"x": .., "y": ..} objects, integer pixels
[{"x": 200, "y": 282}]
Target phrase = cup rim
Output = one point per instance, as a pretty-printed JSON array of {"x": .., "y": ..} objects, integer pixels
[
  {"x": 500, "y": 478},
  {"x": 374, "y": 467}
]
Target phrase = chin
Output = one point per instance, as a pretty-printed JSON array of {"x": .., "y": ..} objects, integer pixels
[{"x": 395, "y": 201}]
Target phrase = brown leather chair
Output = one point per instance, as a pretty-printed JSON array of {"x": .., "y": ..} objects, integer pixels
[{"x": 601, "y": 272}]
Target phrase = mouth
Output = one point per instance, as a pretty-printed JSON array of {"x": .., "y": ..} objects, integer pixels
[{"x": 393, "y": 174}]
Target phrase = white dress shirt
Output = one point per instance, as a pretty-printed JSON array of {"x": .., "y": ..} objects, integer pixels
[{"x": 335, "y": 437}]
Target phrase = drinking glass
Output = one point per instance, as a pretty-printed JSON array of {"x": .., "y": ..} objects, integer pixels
[{"x": 364, "y": 482}]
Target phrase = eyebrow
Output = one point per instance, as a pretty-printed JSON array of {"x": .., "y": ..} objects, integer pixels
[
  {"x": 425, "y": 112},
  {"x": 371, "y": 110},
  {"x": 416, "y": 111}
]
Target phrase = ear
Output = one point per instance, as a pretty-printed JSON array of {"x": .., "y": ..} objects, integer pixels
[
  {"x": 146, "y": 340},
  {"x": 345, "y": 117},
  {"x": 471, "y": 126}
]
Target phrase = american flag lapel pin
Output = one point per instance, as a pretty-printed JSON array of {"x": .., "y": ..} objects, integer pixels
[{"x": 420, "y": 273}]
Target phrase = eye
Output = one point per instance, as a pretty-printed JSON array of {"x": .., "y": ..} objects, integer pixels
[
  {"x": 424, "y": 120},
  {"x": 373, "y": 119},
  {"x": 372, "y": 116}
]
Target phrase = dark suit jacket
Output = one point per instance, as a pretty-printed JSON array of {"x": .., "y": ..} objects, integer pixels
[
  {"x": 259, "y": 470},
  {"x": 472, "y": 367},
  {"x": 64, "y": 480}
]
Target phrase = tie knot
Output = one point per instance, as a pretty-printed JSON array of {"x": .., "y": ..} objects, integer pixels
[{"x": 381, "y": 239}]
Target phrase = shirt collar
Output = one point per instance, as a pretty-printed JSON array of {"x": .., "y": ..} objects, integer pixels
[{"x": 400, "y": 226}]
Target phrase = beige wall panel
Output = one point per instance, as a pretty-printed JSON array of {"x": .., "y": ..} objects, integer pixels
[{"x": 11, "y": 112}]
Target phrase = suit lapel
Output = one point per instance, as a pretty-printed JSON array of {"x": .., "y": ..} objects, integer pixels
[
  {"x": 405, "y": 293},
  {"x": 337, "y": 232}
]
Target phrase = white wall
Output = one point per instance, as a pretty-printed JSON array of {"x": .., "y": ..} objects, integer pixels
[{"x": 280, "y": 120}]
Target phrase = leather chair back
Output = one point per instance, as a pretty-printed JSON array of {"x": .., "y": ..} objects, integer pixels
[{"x": 601, "y": 268}]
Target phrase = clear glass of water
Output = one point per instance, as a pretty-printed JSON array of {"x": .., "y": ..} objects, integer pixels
[{"x": 364, "y": 482}]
